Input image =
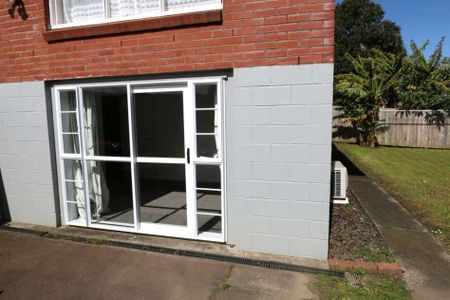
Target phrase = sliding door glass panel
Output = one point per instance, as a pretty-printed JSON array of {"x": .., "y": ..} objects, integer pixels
[
  {"x": 110, "y": 192},
  {"x": 162, "y": 190},
  {"x": 74, "y": 186},
  {"x": 160, "y": 124},
  {"x": 106, "y": 121}
]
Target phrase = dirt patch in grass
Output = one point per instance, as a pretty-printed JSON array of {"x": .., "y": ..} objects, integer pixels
[{"x": 353, "y": 236}]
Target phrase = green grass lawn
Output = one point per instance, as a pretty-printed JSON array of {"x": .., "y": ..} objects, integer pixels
[
  {"x": 375, "y": 287},
  {"x": 418, "y": 178}
]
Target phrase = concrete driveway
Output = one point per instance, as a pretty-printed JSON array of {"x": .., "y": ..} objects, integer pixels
[{"x": 40, "y": 268}]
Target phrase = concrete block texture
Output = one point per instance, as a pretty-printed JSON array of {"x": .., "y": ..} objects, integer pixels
[
  {"x": 25, "y": 156},
  {"x": 278, "y": 159}
]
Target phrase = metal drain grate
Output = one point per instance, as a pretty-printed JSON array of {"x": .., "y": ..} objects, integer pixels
[
  {"x": 23, "y": 230},
  {"x": 188, "y": 253},
  {"x": 203, "y": 255}
]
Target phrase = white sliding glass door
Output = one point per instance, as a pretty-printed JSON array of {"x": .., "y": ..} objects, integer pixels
[
  {"x": 163, "y": 167},
  {"x": 143, "y": 157}
]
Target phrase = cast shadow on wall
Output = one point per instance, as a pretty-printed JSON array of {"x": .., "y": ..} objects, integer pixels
[{"x": 4, "y": 209}]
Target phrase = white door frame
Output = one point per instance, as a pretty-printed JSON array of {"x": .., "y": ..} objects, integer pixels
[{"x": 187, "y": 86}]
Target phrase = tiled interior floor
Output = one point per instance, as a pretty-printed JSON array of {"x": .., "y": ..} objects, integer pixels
[{"x": 164, "y": 206}]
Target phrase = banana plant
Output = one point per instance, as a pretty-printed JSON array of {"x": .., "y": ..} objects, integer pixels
[{"x": 367, "y": 89}]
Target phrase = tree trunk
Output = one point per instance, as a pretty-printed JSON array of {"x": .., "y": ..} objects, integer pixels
[{"x": 372, "y": 133}]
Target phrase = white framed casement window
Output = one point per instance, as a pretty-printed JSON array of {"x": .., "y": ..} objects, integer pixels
[
  {"x": 143, "y": 156},
  {"x": 69, "y": 13}
]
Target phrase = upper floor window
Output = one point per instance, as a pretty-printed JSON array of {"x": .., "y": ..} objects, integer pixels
[{"x": 66, "y": 13}]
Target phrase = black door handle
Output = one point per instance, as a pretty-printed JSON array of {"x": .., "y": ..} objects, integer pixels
[{"x": 188, "y": 155}]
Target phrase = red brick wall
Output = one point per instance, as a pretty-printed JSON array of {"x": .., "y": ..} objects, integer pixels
[{"x": 253, "y": 33}]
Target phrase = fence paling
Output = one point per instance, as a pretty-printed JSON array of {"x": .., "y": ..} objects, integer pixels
[{"x": 407, "y": 128}]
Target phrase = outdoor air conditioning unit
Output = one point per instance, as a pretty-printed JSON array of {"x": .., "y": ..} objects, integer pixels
[{"x": 339, "y": 183}]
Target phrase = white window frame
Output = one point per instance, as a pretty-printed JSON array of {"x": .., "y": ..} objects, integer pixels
[
  {"x": 54, "y": 17},
  {"x": 188, "y": 88}
]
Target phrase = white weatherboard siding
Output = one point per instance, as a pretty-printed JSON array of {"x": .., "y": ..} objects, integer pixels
[
  {"x": 278, "y": 159},
  {"x": 25, "y": 157}
]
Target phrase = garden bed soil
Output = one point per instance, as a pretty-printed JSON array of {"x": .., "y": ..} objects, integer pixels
[{"x": 353, "y": 235}]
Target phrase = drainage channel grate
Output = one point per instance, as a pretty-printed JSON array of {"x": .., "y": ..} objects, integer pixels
[
  {"x": 23, "y": 230},
  {"x": 197, "y": 254}
]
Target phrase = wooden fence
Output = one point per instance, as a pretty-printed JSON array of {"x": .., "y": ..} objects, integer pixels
[{"x": 405, "y": 128}]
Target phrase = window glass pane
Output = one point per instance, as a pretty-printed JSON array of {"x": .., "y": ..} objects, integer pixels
[
  {"x": 88, "y": 11},
  {"x": 78, "y": 11},
  {"x": 110, "y": 192},
  {"x": 212, "y": 224},
  {"x": 163, "y": 193},
  {"x": 106, "y": 121},
  {"x": 68, "y": 100},
  {"x": 207, "y": 146},
  {"x": 75, "y": 192},
  {"x": 69, "y": 122},
  {"x": 184, "y": 4},
  {"x": 160, "y": 124},
  {"x": 208, "y": 176},
  {"x": 71, "y": 143},
  {"x": 206, "y": 96},
  {"x": 76, "y": 211},
  {"x": 207, "y": 121},
  {"x": 209, "y": 201},
  {"x": 72, "y": 170}
]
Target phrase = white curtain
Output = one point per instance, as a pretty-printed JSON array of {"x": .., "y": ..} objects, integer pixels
[
  {"x": 179, "y": 4},
  {"x": 122, "y": 8},
  {"x": 146, "y": 6},
  {"x": 98, "y": 188},
  {"x": 216, "y": 128},
  {"x": 75, "y": 192},
  {"x": 77, "y": 11}
]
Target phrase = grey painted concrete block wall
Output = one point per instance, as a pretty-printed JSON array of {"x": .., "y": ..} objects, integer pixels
[
  {"x": 278, "y": 152},
  {"x": 25, "y": 157},
  {"x": 278, "y": 159}
]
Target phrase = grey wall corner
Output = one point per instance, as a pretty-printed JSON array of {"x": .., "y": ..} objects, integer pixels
[
  {"x": 278, "y": 159},
  {"x": 25, "y": 155}
]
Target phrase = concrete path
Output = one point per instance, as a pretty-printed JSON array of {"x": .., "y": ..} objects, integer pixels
[
  {"x": 426, "y": 264},
  {"x": 40, "y": 268}
]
